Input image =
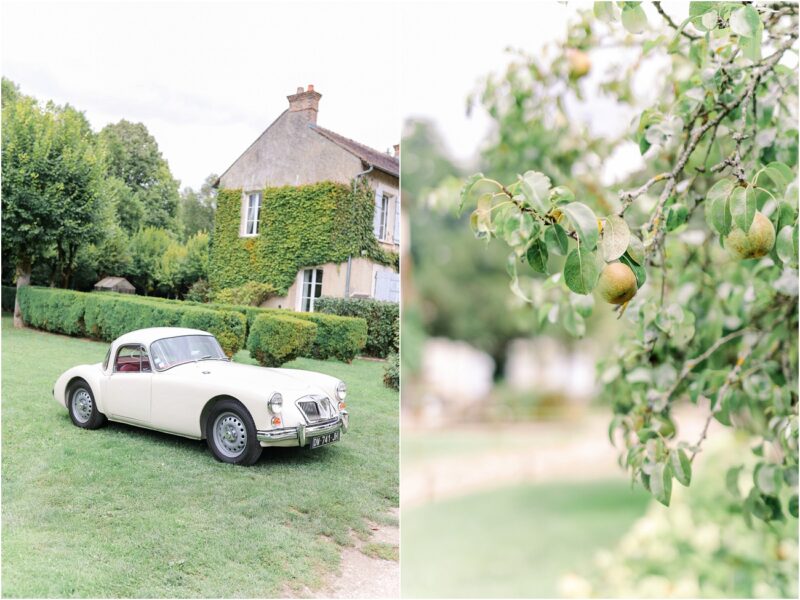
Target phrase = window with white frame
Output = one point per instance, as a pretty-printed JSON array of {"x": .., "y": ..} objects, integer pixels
[
  {"x": 381, "y": 214},
  {"x": 311, "y": 290},
  {"x": 396, "y": 236},
  {"x": 252, "y": 213}
]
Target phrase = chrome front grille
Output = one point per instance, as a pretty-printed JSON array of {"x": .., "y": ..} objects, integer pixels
[{"x": 316, "y": 408}]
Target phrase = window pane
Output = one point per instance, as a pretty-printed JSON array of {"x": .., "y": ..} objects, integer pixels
[
  {"x": 376, "y": 222},
  {"x": 396, "y": 235},
  {"x": 253, "y": 206},
  {"x": 186, "y": 348}
]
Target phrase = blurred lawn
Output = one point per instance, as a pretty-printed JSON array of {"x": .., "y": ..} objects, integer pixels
[
  {"x": 513, "y": 542},
  {"x": 466, "y": 440}
]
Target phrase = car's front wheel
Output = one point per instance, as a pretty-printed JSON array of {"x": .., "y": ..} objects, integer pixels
[
  {"x": 231, "y": 434},
  {"x": 82, "y": 408}
]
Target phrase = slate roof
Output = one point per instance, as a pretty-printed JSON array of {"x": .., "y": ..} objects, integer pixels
[{"x": 380, "y": 160}]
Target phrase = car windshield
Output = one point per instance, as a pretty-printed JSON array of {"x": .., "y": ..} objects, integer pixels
[{"x": 173, "y": 351}]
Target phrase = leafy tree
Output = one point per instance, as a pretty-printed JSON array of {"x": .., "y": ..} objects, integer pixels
[
  {"x": 51, "y": 174},
  {"x": 133, "y": 158},
  {"x": 697, "y": 253},
  {"x": 196, "y": 209},
  {"x": 147, "y": 247}
]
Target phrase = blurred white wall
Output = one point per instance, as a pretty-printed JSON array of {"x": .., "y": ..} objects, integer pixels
[
  {"x": 544, "y": 366},
  {"x": 455, "y": 377}
]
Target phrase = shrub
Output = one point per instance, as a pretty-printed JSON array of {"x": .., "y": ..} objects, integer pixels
[
  {"x": 701, "y": 547},
  {"x": 227, "y": 326},
  {"x": 199, "y": 291},
  {"x": 382, "y": 335},
  {"x": 391, "y": 372},
  {"x": 8, "y": 296},
  {"x": 107, "y": 316},
  {"x": 56, "y": 310},
  {"x": 276, "y": 339},
  {"x": 251, "y": 293},
  {"x": 337, "y": 337}
]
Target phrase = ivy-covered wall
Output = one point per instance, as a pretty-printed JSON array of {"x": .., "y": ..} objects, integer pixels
[{"x": 300, "y": 226}]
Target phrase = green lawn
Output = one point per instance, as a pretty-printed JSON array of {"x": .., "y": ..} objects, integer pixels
[
  {"x": 123, "y": 511},
  {"x": 513, "y": 542}
]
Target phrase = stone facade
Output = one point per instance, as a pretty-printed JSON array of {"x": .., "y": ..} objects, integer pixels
[{"x": 294, "y": 150}]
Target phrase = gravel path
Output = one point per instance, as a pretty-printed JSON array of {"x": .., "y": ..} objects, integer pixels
[{"x": 363, "y": 576}]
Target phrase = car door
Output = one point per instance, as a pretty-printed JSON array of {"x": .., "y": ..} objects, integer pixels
[{"x": 129, "y": 385}]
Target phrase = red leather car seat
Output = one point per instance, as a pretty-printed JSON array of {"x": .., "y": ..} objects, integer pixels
[{"x": 128, "y": 368}]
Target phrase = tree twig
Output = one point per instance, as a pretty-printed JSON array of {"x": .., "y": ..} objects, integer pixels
[
  {"x": 689, "y": 365},
  {"x": 733, "y": 374},
  {"x": 672, "y": 23}
]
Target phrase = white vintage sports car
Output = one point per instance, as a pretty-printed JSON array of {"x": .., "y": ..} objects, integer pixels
[{"x": 179, "y": 381}]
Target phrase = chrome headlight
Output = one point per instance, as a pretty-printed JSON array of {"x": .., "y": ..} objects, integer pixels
[
  {"x": 276, "y": 403},
  {"x": 341, "y": 391}
]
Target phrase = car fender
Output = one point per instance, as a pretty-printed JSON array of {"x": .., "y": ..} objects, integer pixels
[{"x": 92, "y": 374}]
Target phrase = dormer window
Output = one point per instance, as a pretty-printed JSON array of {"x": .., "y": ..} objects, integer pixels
[{"x": 252, "y": 213}]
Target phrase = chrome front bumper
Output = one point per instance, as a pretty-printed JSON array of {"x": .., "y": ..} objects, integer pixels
[{"x": 302, "y": 434}]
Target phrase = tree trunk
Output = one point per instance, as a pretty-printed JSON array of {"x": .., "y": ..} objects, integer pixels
[{"x": 23, "y": 279}]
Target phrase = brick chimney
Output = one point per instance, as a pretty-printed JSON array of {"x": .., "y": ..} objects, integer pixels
[
  {"x": 397, "y": 150},
  {"x": 305, "y": 102}
]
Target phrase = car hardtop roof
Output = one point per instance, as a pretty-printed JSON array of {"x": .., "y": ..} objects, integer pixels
[{"x": 152, "y": 334}]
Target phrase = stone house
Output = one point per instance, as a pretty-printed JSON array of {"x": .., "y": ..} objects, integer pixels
[{"x": 294, "y": 150}]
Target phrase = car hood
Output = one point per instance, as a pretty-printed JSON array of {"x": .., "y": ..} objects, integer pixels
[{"x": 291, "y": 383}]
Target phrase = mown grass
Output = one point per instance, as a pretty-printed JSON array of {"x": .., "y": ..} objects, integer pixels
[
  {"x": 123, "y": 511},
  {"x": 382, "y": 550},
  {"x": 513, "y": 542}
]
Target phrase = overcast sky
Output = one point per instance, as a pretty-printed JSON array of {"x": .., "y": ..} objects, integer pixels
[
  {"x": 450, "y": 47},
  {"x": 207, "y": 78}
]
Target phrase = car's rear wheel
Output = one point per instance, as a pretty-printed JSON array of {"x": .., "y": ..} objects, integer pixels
[
  {"x": 231, "y": 434},
  {"x": 82, "y": 408}
]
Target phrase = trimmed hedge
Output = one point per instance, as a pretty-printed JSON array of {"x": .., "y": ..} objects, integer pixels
[
  {"x": 381, "y": 318},
  {"x": 227, "y": 326},
  {"x": 51, "y": 309},
  {"x": 276, "y": 339},
  {"x": 106, "y": 316},
  {"x": 8, "y": 295},
  {"x": 337, "y": 337},
  {"x": 342, "y": 338}
]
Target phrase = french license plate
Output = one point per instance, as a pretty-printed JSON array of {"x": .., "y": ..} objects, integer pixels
[{"x": 328, "y": 438}]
